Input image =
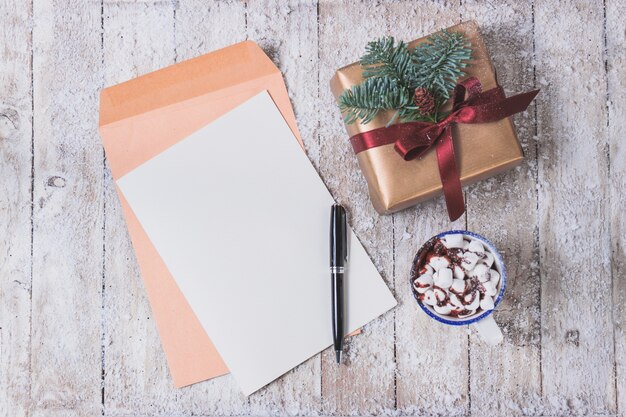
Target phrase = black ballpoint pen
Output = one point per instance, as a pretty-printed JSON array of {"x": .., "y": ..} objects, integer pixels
[{"x": 338, "y": 257}]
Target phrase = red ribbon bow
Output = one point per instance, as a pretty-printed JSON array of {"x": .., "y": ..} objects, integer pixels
[{"x": 413, "y": 139}]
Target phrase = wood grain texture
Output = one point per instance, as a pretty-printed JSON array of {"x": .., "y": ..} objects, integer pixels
[
  {"x": 616, "y": 95},
  {"x": 76, "y": 333},
  {"x": 15, "y": 208},
  {"x": 366, "y": 384},
  {"x": 137, "y": 38},
  {"x": 576, "y": 308},
  {"x": 497, "y": 386},
  {"x": 68, "y": 210}
]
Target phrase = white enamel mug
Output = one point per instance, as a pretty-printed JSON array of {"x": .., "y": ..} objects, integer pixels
[{"x": 483, "y": 322}]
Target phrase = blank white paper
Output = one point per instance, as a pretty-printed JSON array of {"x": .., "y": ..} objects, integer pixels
[{"x": 241, "y": 219}]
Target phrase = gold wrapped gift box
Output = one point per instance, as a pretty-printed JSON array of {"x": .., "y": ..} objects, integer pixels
[{"x": 482, "y": 150}]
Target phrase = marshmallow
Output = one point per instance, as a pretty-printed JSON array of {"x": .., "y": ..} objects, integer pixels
[
  {"x": 458, "y": 272},
  {"x": 472, "y": 300},
  {"x": 426, "y": 269},
  {"x": 456, "y": 301},
  {"x": 494, "y": 277},
  {"x": 481, "y": 271},
  {"x": 476, "y": 246},
  {"x": 443, "y": 278},
  {"x": 429, "y": 297},
  {"x": 422, "y": 283},
  {"x": 488, "y": 259},
  {"x": 487, "y": 303},
  {"x": 424, "y": 280},
  {"x": 438, "y": 262},
  {"x": 471, "y": 313},
  {"x": 440, "y": 295},
  {"x": 458, "y": 286},
  {"x": 490, "y": 289},
  {"x": 469, "y": 260},
  {"x": 454, "y": 241},
  {"x": 445, "y": 309}
]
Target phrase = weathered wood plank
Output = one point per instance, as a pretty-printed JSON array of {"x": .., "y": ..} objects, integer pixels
[
  {"x": 287, "y": 32},
  {"x": 578, "y": 223},
  {"x": 504, "y": 209},
  {"x": 15, "y": 207},
  {"x": 365, "y": 384},
  {"x": 576, "y": 309},
  {"x": 616, "y": 85},
  {"x": 424, "y": 347},
  {"x": 201, "y": 28},
  {"x": 67, "y": 218},
  {"x": 138, "y": 38}
]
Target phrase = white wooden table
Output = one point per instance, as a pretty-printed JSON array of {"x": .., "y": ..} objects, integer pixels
[{"x": 76, "y": 333}]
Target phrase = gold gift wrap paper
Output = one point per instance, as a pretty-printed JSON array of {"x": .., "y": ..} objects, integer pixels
[{"x": 482, "y": 150}]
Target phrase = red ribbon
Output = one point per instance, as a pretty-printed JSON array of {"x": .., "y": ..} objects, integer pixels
[{"x": 413, "y": 139}]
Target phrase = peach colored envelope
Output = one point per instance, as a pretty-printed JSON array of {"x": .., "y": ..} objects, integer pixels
[{"x": 143, "y": 117}]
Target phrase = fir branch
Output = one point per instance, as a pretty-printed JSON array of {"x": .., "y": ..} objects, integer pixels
[
  {"x": 365, "y": 100},
  {"x": 383, "y": 58},
  {"x": 440, "y": 62},
  {"x": 393, "y": 73},
  {"x": 413, "y": 114}
]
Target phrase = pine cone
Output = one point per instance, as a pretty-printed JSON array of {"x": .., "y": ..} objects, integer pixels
[{"x": 424, "y": 101}]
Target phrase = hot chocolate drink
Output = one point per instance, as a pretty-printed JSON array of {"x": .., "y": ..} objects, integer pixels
[{"x": 456, "y": 276}]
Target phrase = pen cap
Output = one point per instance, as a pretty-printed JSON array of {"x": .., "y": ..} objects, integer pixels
[{"x": 338, "y": 236}]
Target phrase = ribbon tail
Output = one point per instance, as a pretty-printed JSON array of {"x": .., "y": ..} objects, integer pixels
[{"x": 450, "y": 176}]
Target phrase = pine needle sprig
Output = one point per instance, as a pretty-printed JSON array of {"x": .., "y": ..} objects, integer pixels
[
  {"x": 383, "y": 58},
  {"x": 440, "y": 62},
  {"x": 365, "y": 100},
  {"x": 393, "y": 72}
]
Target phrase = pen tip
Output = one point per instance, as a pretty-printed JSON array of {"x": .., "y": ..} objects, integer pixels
[{"x": 338, "y": 354}]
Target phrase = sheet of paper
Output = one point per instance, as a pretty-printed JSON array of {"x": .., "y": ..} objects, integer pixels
[
  {"x": 142, "y": 117},
  {"x": 241, "y": 219}
]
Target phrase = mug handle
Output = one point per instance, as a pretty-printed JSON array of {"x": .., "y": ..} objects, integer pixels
[{"x": 488, "y": 330}]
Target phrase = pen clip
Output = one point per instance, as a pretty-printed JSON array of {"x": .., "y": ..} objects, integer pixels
[{"x": 338, "y": 236}]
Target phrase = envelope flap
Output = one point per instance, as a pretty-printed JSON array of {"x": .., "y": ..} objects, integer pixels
[{"x": 208, "y": 73}]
